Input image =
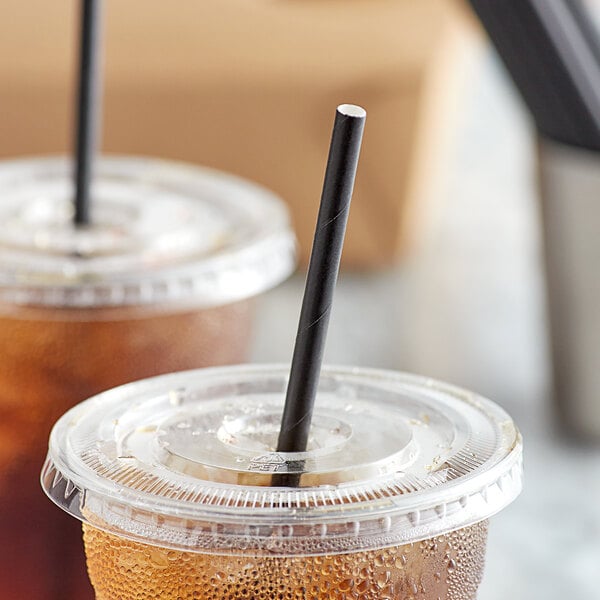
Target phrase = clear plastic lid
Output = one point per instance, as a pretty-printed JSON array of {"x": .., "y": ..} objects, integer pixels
[
  {"x": 187, "y": 460},
  {"x": 160, "y": 232}
]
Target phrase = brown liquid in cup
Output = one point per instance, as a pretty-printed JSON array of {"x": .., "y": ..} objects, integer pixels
[
  {"x": 51, "y": 359},
  {"x": 447, "y": 567}
]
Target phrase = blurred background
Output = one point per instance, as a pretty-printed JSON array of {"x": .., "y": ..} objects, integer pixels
[{"x": 443, "y": 269}]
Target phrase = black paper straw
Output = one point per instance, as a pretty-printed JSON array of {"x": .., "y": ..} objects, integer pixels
[
  {"x": 320, "y": 282},
  {"x": 88, "y": 116}
]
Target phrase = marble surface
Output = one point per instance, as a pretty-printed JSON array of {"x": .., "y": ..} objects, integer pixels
[{"x": 467, "y": 306}]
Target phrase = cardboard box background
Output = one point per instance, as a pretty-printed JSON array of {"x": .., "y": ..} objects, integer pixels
[{"x": 250, "y": 87}]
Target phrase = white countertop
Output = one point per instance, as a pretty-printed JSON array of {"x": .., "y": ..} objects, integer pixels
[{"x": 467, "y": 306}]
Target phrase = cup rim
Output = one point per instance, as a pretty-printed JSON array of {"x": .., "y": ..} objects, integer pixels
[
  {"x": 242, "y": 267},
  {"x": 301, "y": 520}
]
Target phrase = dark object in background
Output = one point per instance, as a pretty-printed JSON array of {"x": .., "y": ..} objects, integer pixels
[
  {"x": 551, "y": 50},
  {"x": 569, "y": 180}
]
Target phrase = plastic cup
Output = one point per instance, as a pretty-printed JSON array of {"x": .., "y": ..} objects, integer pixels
[
  {"x": 163, "y": 280},
  {"x": 172, "y": 476}
]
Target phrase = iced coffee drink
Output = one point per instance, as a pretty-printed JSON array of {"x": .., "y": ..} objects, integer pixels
[
  {"x": 172, "y": 478},
  {"x": 444, "y": 567},
  {"x": 162, "y": 280}
]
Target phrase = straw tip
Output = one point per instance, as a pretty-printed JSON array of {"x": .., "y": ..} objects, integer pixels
[{"x": 352, "y": 110}]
